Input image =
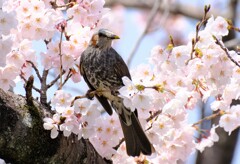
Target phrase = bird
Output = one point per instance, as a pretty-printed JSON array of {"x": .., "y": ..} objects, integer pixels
[{"x": 102, "y": 68}]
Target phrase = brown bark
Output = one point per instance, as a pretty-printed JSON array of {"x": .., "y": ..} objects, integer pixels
[
  {"x": 23, "y": 139},
  {"x": 194, "y": 12}
]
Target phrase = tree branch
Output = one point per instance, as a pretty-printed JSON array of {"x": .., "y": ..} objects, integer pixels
[
  {"x": 60, "y": 55},
  {"x": 208, "y": 118},
  {"x": 36, "y": 70},
  {"x": 175, "y": 8},
  {"x": 43, "y": 93},
  {"x": 152, "y": 15},
  {"x": 28, "y": 88},
  {"x": 66, "y": 79},
  {"x": 23, "y": 139},
  {"x": 55, "y": 80},
  {"x": 35, "y": 88},
  {"x": 218, "y": 42}
]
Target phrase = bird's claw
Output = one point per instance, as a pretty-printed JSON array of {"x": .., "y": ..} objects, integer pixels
[{"x": 90, "y": 94}]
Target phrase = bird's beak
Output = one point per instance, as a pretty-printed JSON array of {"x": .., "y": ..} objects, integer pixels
[{"x": 115, "y": 37}]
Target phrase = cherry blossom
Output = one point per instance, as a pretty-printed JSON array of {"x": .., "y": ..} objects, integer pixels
[
  {"x": 218, "y": 26},
  {"x": 208, "y": 141},
  {"x": 52, "y": 124},
  {"x": 61, "y": 99},
  {"x": 5, "y": 45}
]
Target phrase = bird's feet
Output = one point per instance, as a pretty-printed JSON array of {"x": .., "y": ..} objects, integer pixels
[{"x": 90, "y": 94}]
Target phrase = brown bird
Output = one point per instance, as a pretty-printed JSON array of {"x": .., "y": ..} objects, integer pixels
[{"x": 103, "y": 68}]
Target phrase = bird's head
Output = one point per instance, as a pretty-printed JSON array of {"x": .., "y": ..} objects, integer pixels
[{"x": 103, "y": 39}]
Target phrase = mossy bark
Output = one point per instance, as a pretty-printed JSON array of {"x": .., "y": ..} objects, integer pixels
[{"x": 23, "y": 139}]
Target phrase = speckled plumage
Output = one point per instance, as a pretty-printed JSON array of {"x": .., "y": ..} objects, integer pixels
[{"x": 103, "y": 68}]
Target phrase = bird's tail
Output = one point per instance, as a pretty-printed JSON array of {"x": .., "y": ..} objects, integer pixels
[{"x": 135, "y": 138}]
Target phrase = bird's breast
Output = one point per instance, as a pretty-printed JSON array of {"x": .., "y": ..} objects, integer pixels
[{"x": 99, "y": 69}]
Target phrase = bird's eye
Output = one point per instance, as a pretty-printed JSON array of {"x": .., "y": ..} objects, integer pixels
[{"x": 101, "y": 35}]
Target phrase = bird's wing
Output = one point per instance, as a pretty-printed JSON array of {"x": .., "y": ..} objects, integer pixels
[
  {"x": 120, "y": 67},
  {"x": 104, "y": 102},
  {"x": 121, "y": 70}
]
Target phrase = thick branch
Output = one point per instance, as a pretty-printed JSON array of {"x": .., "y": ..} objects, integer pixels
[
  {"x": 23, "y": 139},
  {"x": 35, "y": 88},
  {"x": 175, "y": 8},
  {"x": 43, "y": 95},
  {"x": 28, "y": 89}
]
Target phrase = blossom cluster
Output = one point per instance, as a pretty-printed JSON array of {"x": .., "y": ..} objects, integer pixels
[
  {"x": 179, "y": 78},
  {"x": 26, "y": 21},
  {"x": 83, "y": 119},
  {"x": 78, "y": 119},
  {"x": 162, "y": 91}
]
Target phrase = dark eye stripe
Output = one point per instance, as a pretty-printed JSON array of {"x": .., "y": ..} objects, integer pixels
[{"x": 101, "y": 34}]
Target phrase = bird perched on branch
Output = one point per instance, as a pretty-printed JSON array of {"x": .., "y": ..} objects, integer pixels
[{"x": 103, "y": 68}]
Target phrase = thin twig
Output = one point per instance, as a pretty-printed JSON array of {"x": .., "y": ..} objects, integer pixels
[
  {"x": 218, "y": 42},
  {"x": 35, "y": 88},
  {"x": 208, "y": 118},
  {"x": 76, "y": 98},
  {"x": 152, "y": 15},
  {"x": 35, "y": 69},
  {"x": 66, "y": 79},
  {"x": 90, "y": 94},
  {"x": 55, "y": 80},
  {"x": 198, "y": 28},
  {"x": 60, "y": 55},
  {"x": 154, "y": 115},
  {"x": 68, "y": 5}
]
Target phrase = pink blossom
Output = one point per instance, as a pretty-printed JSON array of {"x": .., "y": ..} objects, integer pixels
[
  {"x": 218, "y": 27},
  {"x": 181, "y": 54},
  {"x": 103, "y": 147},
  {"x": 229, "y": 122},
  {"x": 15, "y": 58},
  {"x": 81, "y": 106},
  {"x": 209, "y": 141},
  {"x": 61, "y": 99},
  {"x": 7, "y": 75},
  {"x": 7, "y": 22},
  {"x": 52, "y": 124},
  {"x": 158, "y": 56},
  {"x": 5, "y": 46},
  {"x": 129, "y": 88},
  {"x": 162, "y": 125},
  {"x": 142, "y": 72},
  {"x": 76, "y": 77}
]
